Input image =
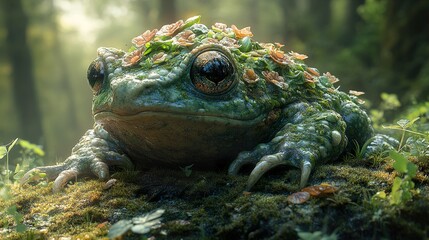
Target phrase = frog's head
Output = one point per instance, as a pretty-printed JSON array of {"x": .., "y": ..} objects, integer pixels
[{"x": 185, "y": 85}]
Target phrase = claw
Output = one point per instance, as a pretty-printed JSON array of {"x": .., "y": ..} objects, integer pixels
[
  {"x": 305, "y": 173},
  {"x": 271, "y": 161},
  {"x": 100, "y": 169},
  {"x": 238, "y": 163},
  {"x": 50, "y": 171},
  {"x": 63, "y": 178},
  {"x": 265, "y": 164},
  {"x": 251, "y": 157}
]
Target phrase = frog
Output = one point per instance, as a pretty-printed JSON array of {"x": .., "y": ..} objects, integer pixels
[{"x": 212, "y": 98}]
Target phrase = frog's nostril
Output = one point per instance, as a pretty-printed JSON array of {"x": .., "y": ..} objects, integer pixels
[{"x": 96, "y": 75}]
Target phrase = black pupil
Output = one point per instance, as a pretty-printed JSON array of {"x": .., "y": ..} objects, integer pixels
[
  {"x": 216, "y": 70},
  {"x": 95, "y": 73}
]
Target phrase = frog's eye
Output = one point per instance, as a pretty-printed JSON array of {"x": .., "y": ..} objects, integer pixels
[
  {"x": 95, "y": 75},
  {"x": 212, "y": 73}
]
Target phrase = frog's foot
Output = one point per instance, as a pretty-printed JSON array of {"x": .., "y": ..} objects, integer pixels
[
  {"x": 269, "y": 162},
  {"x": 379, "y": 144},
  {"x": 303, "y": 142},
  {"x": 92, "y": 156},
  {"x": 74, "y": 167}
]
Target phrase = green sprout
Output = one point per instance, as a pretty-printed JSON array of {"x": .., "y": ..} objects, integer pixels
[
  {"x": 4, "y": 151},
  {"x": 403, "y": 125}
]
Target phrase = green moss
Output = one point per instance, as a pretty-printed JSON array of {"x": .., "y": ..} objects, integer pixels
[{"x": 213, "y": 205}]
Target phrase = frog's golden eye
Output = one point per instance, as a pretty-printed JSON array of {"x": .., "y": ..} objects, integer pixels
[
  {"x": 96, "y": 75},
  {"x": 212, "y": 73}
]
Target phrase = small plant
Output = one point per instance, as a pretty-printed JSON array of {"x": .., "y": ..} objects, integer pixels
[
  {"x": 402, "y": 188},
  {"x": 4, "y": 151},
  {"x": 27, "y": 152},
  {"x": 360, "y": 151},
  {"x": 17, "y": 217},
  {"x": 139, "y": 225},
  {"x": 31, "y": 156},
  {"x": 418, "y": 147},
  {"x": 404, "y": 126}
]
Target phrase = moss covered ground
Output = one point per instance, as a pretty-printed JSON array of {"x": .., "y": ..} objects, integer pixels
[{"x": 208, "y": 205}]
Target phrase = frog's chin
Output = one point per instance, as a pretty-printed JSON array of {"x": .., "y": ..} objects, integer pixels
[{"x": 166, "y": 138}]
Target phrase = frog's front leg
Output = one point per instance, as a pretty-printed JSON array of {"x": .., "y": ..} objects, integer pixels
[
  {"x": 91, "y": 156},
  {"x": 310, "y": 135}
]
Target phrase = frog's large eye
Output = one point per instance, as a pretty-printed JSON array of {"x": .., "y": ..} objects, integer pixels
[
  {"x": 212, "y": 73},
  {"x": 95, "y": 75}
]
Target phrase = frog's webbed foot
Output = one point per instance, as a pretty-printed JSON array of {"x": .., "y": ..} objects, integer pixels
[
  {"x": 301, "y": 143},
  {"x": 92, "y": 156}
]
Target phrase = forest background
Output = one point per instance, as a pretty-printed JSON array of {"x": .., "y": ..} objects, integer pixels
[{"x": 374, "y": 46}]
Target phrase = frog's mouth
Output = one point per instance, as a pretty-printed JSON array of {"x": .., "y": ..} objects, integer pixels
[
  {"x": 184, "y": 138},
  {"x": 191, "y": 116}
]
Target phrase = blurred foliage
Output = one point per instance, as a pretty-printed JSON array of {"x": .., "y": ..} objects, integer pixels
[{"x": 373, "y": 46}]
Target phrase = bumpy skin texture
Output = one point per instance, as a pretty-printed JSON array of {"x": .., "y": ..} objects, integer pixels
[{"x": 190, "y": 94}]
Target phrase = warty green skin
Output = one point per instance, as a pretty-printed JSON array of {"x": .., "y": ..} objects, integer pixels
[{"x": 149, "y": 112}]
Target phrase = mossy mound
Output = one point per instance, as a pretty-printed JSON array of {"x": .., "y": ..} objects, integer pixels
[{"x": 208, "y": 205}]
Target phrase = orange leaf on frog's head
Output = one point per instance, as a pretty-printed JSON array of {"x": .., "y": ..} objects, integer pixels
[
  {"x": 185, "y": 38},
  {"x": 170, "y": 29},
  {"x": 145, "y": 37},
  {"x": 250, "y": 76},
  {"x": 298, "y": 56},
  {"x": 132, "y": 58},
  {"x": 241, "y": 33}
]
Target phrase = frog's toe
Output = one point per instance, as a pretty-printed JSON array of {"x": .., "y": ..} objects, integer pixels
[
  {"x": 243, "y": 159},
  {"x": 306, "y": 168},
  {"x": 269, "y": 162},
  {"x": 34, "y": 174},
  {"x": 266, "y": 163},
  {"x": 100, "y": 169},
  {"x": 63, "y": 178},
  {"x": 97, "y": 167},
  {"x": 248, "y": 157}
]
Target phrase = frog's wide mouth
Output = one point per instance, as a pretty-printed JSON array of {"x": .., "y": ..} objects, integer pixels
[
  {"x": 182, "y": 139},
  {"x": 172, "y": 115}
]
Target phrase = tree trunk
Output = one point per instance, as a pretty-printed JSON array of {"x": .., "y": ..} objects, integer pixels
[
  {"x": 63, "y": 67},
  {"x": 23, "y": 84},
  {"x": 405, "y": 47},
  {"x": 352, "y": 19}
]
